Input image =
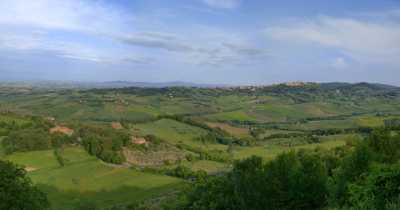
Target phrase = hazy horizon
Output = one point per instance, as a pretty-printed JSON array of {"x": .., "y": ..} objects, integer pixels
[{"x": 233, "y": 42}]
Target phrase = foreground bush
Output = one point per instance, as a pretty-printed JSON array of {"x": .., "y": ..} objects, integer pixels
[
  {"x": 292, "y": 181},
  {"x": 17, "y": 191}
]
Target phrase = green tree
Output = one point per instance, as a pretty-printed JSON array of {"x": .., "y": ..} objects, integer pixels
[
  {"x": 291, "y": 181},
  {"x": 17, "y": 191},
  {"x": 352, "y": 167}
]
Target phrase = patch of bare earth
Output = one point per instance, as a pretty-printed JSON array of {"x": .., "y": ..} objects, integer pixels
[
  {"x": 63, "y": 130},
  {"x": 116, "y": 125},
  {"x": 138, "y": 140},
  {"x": 30, "y": 169}
]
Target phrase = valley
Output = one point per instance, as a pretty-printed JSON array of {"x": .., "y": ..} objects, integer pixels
[{"x": 124, "y": 146}]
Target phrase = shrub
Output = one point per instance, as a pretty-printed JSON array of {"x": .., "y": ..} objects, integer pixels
[
  {"x": 17, "y": 190},
  {"x": 292, "y": 181}
]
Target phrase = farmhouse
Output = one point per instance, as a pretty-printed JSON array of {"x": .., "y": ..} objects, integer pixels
[
  {"x": 63, "y": 130},
  {"x": 116, "y": 125},
  {"x": 138, "y": 141}
]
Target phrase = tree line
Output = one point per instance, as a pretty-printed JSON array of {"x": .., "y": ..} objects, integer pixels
[{"x": 364, "y": 177}]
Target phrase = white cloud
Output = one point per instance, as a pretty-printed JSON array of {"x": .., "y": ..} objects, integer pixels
[
  {"x": 80, "y": 15},
  {"x": 37, "y": 42},
  {"x": 223, "y": 4},
  {"x": 111, "y": 32},
  {"x": 363, "y": 40}
]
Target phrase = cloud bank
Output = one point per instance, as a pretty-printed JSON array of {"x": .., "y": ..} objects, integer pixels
[{"x": 363, "y": 40}]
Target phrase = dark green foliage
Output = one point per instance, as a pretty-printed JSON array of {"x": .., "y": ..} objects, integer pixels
[
  {"x": 27, "y": 140},
  {"x": 59, "y": 139},
  {"x": 378, "y": 190},
  {"x": 351, "y": 168},
  {"x": 17, "y": 191},
  {"x": 365, "y": 177},
  {"x": 186, "y": 173},
  {"x": 153, "y": 139},
  {"x": 59, "y": 157},
  {"x": 104, "y": 143},
  {"x": 292, "y": 181},
  {"x": 385, "y": 145},
  {"x": 208, "y": 138},
  {"x": 296, "y": 182},
  {"x": 392, "y": 123},
  {"x": 28, "y": 136},
  {"x": 214, "y": 155},
  {"x": 87, "y": 205}
]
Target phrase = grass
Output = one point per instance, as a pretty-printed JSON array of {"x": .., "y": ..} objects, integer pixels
[
  {"x": 323, "y": 124},
  {"x": 37, "y": 160},
  {"x": 235, "y": 131},
  {"x": 171, "y": 131},
  {"x": 233, "y": 115},
  {"x": 208, "y": 166},
  {"x": 269, "y": 152},
  {"x": 2, "y": 153},
  {"x": 86, "y": 178},
  {"x": 13, "y": 119},
  {"x": 369, "y": 121},
  {"x": 270, "y": 132}
]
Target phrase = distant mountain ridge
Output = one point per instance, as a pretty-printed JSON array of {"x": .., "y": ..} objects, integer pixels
[{"x": 126, "y": 84}]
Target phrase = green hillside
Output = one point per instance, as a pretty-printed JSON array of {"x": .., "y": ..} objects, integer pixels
[{"x": 116, "y": 147}]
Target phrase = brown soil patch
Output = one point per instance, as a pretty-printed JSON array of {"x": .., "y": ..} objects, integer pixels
[
  {"x": 116, "y": 125},
  {"x": 29, "y": 169},
  {"x": 138, "y": 141},
  {"x": 63, "y": 130}
]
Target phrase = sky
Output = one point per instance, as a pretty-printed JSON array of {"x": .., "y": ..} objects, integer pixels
[{"x": 201, "y": 41}]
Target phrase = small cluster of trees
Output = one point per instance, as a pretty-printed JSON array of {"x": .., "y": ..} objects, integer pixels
[
  {"x": 27, "y": 140},
  {"x": 180, "y": 171},
  {"x": 393, "y": 123},
  {"x": 31, "y": 136},
  {"x": 365, "y": 177},
  {"x": 311, "y": 133},
  {"x": 202, "y": 154},
  {"x": 104, "y": 143}
]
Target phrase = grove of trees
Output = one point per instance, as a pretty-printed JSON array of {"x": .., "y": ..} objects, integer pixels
[{"x": 366, "y": 177}]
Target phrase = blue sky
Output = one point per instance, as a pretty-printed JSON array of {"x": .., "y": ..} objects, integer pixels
[{"x": 202, "y": 41}]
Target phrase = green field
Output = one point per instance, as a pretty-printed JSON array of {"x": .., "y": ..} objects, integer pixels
[
  {"x": 234, "y": 115},
  {"x": 1, "y": 147},
  {"x": 208, "y": 166},
  {"x": 86, "y": 178},
  {"x": 268, "y": 152},
  {"x": 171, "y": 131}
]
